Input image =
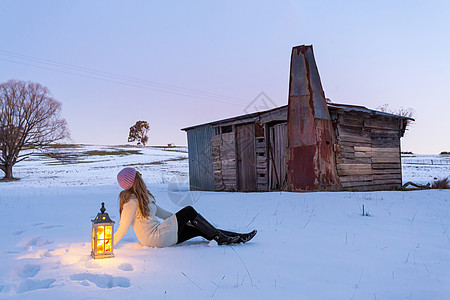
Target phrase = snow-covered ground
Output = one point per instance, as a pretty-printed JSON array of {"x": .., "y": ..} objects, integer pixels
[
  {"x": 308, "y": 246},
  {"x": 425, "y": 168},
  {"x": 92, "y": 166}
]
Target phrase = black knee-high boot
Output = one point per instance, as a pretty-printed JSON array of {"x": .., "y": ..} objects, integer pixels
[
  {"x": 213, "y": 233},
  {"x": 243, "y": 237}
]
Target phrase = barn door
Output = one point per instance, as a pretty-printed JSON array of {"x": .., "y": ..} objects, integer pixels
[
  {"x": 277, "y": 156},
  {"x": 246, "y": 157}
]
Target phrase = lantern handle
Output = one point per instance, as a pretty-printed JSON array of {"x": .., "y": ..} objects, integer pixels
[{"x": 103, "y": 209}]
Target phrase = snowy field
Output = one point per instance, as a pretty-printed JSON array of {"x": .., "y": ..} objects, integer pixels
[
  {"x": 425, "y": 168},
  {"x": 308, "y": 246}
]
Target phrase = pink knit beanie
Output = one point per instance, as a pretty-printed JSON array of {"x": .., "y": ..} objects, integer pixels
[{"x": 125, "y": 178}]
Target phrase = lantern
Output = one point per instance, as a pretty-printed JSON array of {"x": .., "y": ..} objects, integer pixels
[{"x": 102, "y": 235}]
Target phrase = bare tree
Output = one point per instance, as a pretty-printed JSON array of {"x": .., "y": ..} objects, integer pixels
[
  {"x": 29, "y": 119},
  {"x": 138, "y": 132},
  {"x": 402, "y": 111}
]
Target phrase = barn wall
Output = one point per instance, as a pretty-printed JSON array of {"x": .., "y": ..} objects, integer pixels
[
  {"x": 368, "y": 152},
  {"x": 224, "y": 161},
  {"x": 277, "y": 145},
  {"x": 261, "y": 157},
  {"x": 261, "y": 163},
  {"x": 201, "y": 174},
  {"x": 228, "y": 174},
  {"x": 246, "y": 158}
]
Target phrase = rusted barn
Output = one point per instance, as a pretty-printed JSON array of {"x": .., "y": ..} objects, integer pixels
[{"x": 307, "y": 145}]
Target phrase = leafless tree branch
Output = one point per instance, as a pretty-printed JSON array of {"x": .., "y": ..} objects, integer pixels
[{"x": 29, "y": 118}]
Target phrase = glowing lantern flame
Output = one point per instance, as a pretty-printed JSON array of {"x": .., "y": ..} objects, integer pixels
[{"x": 102, "y": 235}]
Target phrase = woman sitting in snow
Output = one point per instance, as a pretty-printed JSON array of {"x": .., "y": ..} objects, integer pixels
[{"x": 138, "y": 209}]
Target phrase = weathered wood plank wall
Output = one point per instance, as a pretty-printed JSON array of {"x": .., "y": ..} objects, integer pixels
[
  {"x": 261, "y": 157},
  {"x": 277, "y": 156},
  {"x": 368, "y": 152},
  {"x": 224, "y": 161},
  {"x": 246, "y": 157},
  {"x": 261, "y": 164}
]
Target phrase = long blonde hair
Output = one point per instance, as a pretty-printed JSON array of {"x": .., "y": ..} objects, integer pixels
[{"x": 140, "y": 191}]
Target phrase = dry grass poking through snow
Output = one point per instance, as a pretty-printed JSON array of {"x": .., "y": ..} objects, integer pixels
[{"x": 441, "y": 184}]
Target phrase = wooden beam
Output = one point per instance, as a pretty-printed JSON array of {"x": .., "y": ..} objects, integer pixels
[
  {"x": 357, "y": 178},
  {"x": 356, "y": 160},
  {"x": 354, "y": 166},
  {"x": 386, "y": 160},
  {"x": 387, "y": 171},
  {"x": 386, "y": 165},
  {"x": 354, "y": 172}
]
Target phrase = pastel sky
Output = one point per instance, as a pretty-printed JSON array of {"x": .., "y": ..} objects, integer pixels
[{"x": 182, "y": 63}]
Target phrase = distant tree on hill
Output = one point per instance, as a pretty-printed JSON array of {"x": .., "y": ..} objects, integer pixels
[
  {"x": 138, "y": 132},
  {"x": 29, "y": 119}
]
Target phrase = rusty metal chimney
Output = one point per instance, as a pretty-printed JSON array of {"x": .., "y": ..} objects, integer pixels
[{"x": 311, "y": 162}]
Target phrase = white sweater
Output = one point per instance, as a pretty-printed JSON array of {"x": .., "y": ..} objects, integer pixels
[{"x": 150, "y": 232}]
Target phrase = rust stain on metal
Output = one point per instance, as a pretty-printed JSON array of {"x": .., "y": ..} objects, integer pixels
[{"x": 311, "y": 160}]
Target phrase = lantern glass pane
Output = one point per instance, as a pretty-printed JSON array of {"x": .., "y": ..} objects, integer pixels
[
  {"x": 100, "y": 232},
  {"x": 93, "y": 232},
  {"x": 108, "y": 246},
  {"x": 108, "y": 232},
  {"x": 100, "y": 246}
]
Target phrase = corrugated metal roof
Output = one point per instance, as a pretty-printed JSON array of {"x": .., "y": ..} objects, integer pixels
[
  {"x": 344, "y": 107},
  {"x": 250, "y": 115}
]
